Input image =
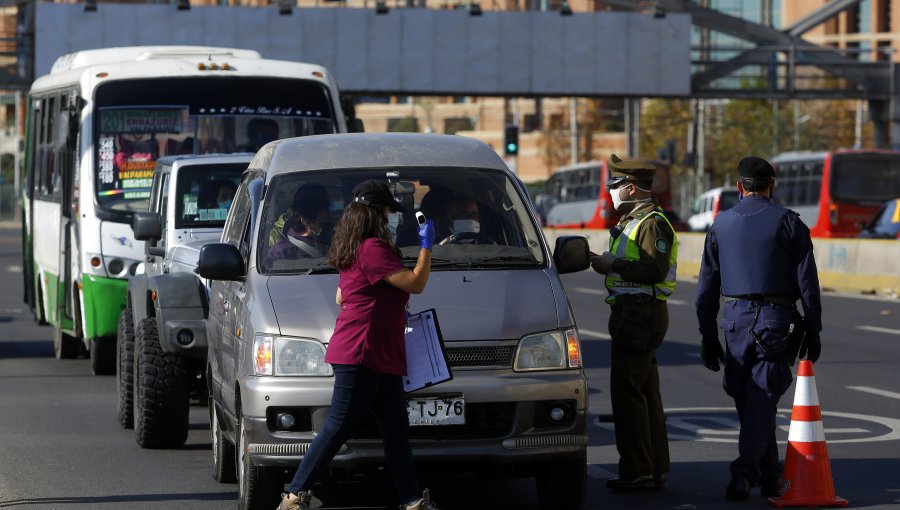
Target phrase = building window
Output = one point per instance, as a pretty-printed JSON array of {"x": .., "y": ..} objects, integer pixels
[
  {"x": 403, "y": 125},
  {"x": 454, "y": 124}
]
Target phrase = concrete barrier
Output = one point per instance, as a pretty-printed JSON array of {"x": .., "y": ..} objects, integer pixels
[{"x": 867, "y": 266}]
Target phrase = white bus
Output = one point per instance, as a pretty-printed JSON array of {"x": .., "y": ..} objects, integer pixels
[{"x": 95, "y": 127}]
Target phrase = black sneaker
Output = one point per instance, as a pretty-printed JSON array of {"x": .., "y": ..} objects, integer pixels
[
  {"x": 634, "y": 483},
  {"x": 738, "y": 489},
  {"x": 772, "y": 488},
  {"x": 659, "y": 480}
]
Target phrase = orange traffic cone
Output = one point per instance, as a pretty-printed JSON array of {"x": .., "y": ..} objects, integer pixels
[{"x": 807, "y": 472}]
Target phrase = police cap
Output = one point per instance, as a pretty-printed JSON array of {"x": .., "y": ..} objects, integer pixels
[
  {"x": 755, "y": 168},
  {"x": 628, "y": 171}
]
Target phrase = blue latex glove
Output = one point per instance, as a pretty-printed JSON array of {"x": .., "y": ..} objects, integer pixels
[{"x": 426, "y": 235}]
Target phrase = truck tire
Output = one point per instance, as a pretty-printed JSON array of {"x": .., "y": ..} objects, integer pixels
[
  {"x": 161, "y": 391},
  {"x": 103, "y": 355},
  {"x": 258, "y": 487},
  {"x": 561, "y": 484},
  {"x": 125, "y": 368},
  {"x": 65, "y": 346},
  {"x": 224, "y": 469}
]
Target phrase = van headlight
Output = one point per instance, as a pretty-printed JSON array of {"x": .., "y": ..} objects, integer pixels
[
  {"x": 551, "y": 350},
  {"x": 289, "y": 356}
]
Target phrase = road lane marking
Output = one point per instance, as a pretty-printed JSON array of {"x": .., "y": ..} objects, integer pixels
[
  {"x": 594, "y": 334},
  {"x": 875, "y": 391},
  {"x": 692, "y": 422},
  {"x": 876, "y": 329},
  {"x": 14, "y": 269},
  {"x": 678, "y": 302}
]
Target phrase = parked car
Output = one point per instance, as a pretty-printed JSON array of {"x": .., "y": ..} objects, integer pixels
[
  {"x": 708, "y": 205},
  {"x": 518, "y": 396},
  {"x": 885, "y": 223},
  {"x": 161, "y": 340}
]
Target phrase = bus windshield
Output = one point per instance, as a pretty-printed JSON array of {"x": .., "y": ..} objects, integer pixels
[
  {"x": 865, "y": 178},
  {"x": 139, "y": 121}
]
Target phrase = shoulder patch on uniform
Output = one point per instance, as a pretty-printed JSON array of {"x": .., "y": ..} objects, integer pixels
[{"x": 662, "y": 245}]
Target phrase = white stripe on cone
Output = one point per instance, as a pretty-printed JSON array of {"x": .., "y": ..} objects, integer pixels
[
  {"x": 805, "y": 394},
  {"x": 806, "y": 432}
]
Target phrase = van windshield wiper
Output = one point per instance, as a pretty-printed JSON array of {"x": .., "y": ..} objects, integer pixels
[
  {"x": 321, "y": 269},
  {"x": 507, "y": 260}
]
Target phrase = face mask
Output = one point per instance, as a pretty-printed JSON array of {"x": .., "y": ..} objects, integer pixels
[
  {"x": 616, "y": 198},
  {"x": 225, "y": 204},
  {"x": 466, "y": 226}
]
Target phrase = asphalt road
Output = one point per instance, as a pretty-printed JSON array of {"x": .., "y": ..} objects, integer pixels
[{"x": 61, "y": 446}]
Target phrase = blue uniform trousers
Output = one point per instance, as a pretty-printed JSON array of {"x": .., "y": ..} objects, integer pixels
[{"x": 757, "y": 373}]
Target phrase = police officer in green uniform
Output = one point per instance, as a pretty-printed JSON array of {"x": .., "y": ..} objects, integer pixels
[{"x": 640, "y": 276}]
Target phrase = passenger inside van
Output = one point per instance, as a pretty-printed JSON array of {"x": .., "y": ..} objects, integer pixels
[{"x": 303, "y": 223}]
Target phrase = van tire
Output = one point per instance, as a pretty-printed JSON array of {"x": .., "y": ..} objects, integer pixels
[
  {"x": 65, "y": 346},
  {"x": 125, "y": 368},
  {"x": 161, "y": 383},
  {"x": 561, "y": 485},
  {"x": 224, "y": 469},
  {"x": 258, "y": 487},
  {"x": 103, "y": 355}
]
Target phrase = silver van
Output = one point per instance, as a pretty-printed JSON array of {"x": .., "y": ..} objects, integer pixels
[{"x": 517, "y": 403}]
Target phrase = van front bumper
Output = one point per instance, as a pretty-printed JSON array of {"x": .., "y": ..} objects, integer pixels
[{"x": 505, "y": 426}]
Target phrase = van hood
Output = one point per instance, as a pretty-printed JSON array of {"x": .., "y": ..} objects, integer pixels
[{"x": 470, "y": 305}]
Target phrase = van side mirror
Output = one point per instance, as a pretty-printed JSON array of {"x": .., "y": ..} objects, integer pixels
[
  {"x": 221, "y": 261},
  {"x": 146, "y": 226},
  {"x": 572, "y": 254}
]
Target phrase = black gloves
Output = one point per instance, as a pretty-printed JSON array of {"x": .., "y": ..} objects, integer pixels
[
  {"x": 711, "y": 353},
  {"x": 811, "y": 347}
]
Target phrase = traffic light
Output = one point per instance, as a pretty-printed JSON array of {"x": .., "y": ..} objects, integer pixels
[{"x": 511, "y": 140}]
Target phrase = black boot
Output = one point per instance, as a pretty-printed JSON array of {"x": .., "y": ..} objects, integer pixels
[{"x": 738, "y": 489}]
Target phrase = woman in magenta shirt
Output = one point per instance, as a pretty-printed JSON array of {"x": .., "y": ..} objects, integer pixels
[{"x": 367, "y": 348}]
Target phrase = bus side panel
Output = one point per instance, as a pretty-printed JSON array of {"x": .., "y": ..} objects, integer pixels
[
  {"x": 104, "y": 300},
  {"x": 45, "y": 245}
]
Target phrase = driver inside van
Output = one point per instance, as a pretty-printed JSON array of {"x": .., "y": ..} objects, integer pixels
[
  {"x": 464, "y": 219},
  {"x": 308, "y": 212}
]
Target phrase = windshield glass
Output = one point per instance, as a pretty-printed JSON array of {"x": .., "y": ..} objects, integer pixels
[
  {"x": 205, "y": 193},
  {"x": 480, "y": 219},
  {"x": 865, "y": 177},
  {"x": 139, "y": 121}
]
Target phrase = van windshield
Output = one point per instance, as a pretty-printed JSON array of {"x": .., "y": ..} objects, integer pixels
[{"x": 480, "y": 219}]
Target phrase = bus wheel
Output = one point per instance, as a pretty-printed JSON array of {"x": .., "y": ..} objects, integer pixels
[
  {"x": 161, "y": 391},
  {"x": 103, "y": 355},
  {"x": 125, "y": 368},
  {"x": 65, "y": 346}
]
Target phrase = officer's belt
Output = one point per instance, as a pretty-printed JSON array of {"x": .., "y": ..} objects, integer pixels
[{"x": 775, "y": 299}]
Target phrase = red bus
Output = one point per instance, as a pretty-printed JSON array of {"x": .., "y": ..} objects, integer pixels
[
  {"x": 577, "y": 196},
  {"x": 836, "y": 192}
]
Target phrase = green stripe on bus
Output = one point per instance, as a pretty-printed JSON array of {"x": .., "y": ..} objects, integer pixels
[{"x": 104, "y": 300}]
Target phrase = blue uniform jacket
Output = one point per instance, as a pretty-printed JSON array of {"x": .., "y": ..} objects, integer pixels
[{"x": 791, "y": 238}]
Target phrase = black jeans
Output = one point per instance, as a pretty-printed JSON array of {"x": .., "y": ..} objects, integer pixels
[{"x": 357, "y": 390}]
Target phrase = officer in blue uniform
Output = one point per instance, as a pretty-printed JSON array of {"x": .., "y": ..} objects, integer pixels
[{"x": 759, "y": 256}]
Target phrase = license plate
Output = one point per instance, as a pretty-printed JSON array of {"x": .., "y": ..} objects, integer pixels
[{"x": 436, "y": 411}]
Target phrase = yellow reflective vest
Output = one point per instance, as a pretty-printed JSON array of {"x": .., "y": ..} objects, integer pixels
[{"x": 626, "y": 247}]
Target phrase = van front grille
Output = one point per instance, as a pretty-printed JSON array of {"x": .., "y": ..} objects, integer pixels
[{"x": 482, "y": 356}]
